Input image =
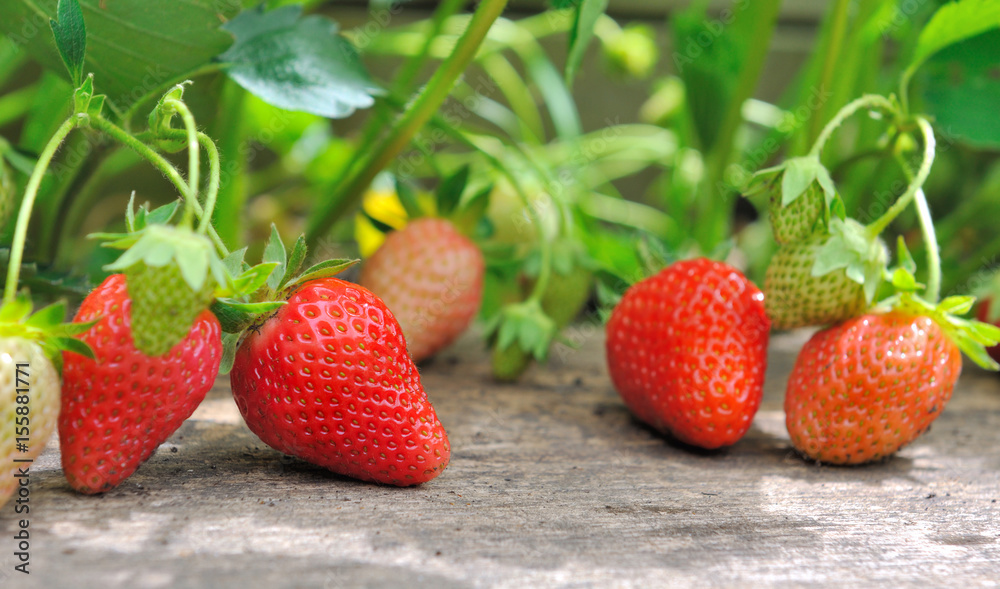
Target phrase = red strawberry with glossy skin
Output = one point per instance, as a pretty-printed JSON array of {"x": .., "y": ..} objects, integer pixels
[
  {"x": 865, "y": 388},
  {"x": 118, "y": 408},
  {"x": 431, "y": 277},
  {"x": 327, "y": 379},
  {"x": 687, "y": 351}
]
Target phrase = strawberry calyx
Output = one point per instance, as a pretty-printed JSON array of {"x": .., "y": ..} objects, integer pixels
[
  {"x": 971, "y": 336},
  {"x": 793, "y": 177},
  {"x": 171, "y": 274},
  {"x": 853, "y": 248},
  {"x": 44, "y": 327},
  {"x": 255, "y": 293},
  {"x": 525, "y": 323}
]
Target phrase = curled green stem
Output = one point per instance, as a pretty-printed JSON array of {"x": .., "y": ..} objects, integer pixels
[
  {"x": 160, "y": 163},
  {"x": 866, "y": 101},
  {"x": 194, "y": 156},
  {"x": 879, "y": 225},
  {"x": 30, "y": 193}
]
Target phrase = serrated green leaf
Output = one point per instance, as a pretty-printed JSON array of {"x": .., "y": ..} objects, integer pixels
[
  {"x": 585, "y": 17},
  {"x": 450, "y": 191},
  {"x": 274, "y": 251},
  {"x": 298, "y": 64},
  {"x": 322, "y": 270},
  {"x": 952, "y": 23},
  {"x": 71, "y": 38},
  {"x": 297, "y": 257},
  {"x": 136, "y": 46}
]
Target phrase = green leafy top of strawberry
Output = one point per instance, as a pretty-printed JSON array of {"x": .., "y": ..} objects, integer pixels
[
  {"x": 45, "y": 327},
  {"x": 795, "y": 175},
  {"x": 853, "y": 247},
  {"x": 254, "y": 293},
  {"x": 971, "y": 336},
  {"x": 526, "y": 324}
]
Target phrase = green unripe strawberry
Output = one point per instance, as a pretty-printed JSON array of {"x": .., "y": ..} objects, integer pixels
[
  {"x": 164, "y": 306},
  {"x": 799, "y": 193},
  {"x": 800, "y": 218},
  {"x": 794, "y": 297}
]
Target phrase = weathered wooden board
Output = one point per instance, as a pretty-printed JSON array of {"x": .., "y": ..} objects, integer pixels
[{"x": 551, "y": 484}]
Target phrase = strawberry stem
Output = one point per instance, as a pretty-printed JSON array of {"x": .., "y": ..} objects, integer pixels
[
  {"x": 879, "y": 225},
  {"x": 194, "y": 157},
  {"x": 30, "y": 193},
  {"x": 422, "y": 109},
  {"x": 160, "y": 163},
  {"x": 870, "y": 101}
]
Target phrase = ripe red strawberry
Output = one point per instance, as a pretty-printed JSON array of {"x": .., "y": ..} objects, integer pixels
[
  {"x": 29, "y": 413},
  {"x": 431, "y": 277},
  {"x": 863, "y": 389},
  {"x": 687, "y": 351},
  {"x": 327, "y": 379},
  {"x": 796, "y": 298},
  {"x": 119, "y": 407},
  {"x": 987, "y": 314}
]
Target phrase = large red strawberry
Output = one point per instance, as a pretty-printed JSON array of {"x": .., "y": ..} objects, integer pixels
[
  {"x": 431, "y": 277},
  {"x": 687, "y": 351},
  {"x": 327, "y": 379},
  {"x": 863, "y": 389},
  {"x": 119, "y": 407}
]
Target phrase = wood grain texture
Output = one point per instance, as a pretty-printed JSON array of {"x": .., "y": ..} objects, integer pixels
[{"x": 552, "y": 484}]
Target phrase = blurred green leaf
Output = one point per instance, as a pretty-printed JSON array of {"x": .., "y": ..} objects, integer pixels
[
  {"x": 299, "y": 64},
  {"x": 953, "y": 23},
  {"x": 136, "y": 46},
  {"x": 961, "y": 89},
  {"x": 585, "y": 17}
]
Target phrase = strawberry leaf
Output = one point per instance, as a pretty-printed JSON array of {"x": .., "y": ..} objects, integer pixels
[
  {"x": 233, "y": 263},
  {"x": 850, "y": 247},
  {"x": 253, "y": 279},
  {"x": 450, "y": 191},
  {"x": 799, "y": 174},
  {"x": 958, "y": 305},
  {"x": 274, "y": 251},
  {"x": 71, "y": 37},
  {"x": 322, "y": 270},
  {"x": 235, "y": 316},
  {"x": 297, "y": 257},
  {"x": 230, "y": 343},
  {"x": 408, "y": 198},
  {"x": 49, "y": 316}
]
